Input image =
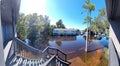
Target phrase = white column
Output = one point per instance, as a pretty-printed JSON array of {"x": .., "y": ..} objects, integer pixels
[{"x": 2, "y": 62}]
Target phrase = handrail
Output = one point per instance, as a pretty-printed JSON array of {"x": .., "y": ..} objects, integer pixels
[
  {"x": 18, "y": 40},
  {"x": 66, "y": 62},
  {"x": 22, "y": 49},
  {"x": 19, "y": 48},
  {"x": 56, "y": 51},
  {"x": 45, "y": 49},
  {"x": 57, "y": 58},
  {"x": 7, "y": 49},
  {"x": 46, "y": 63}
]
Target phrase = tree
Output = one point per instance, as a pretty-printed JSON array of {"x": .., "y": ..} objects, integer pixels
[
  {"x": 51, "y": 29},
  {"x": 60, "y": 24},
  {"x": 103, "y": 17},
  {"x": 100, "y": 23},
  {"x": 22, "y": 27},
  {"x": 33, "y": 27},
  {"x": 89, "y": 7},
  {"x": 33, "y": 32},
  {"x": 46, "y": 26},
  {"x": 36, "y": 25}
]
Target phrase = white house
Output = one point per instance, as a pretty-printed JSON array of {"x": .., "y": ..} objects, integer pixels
[{"x": 60, "y": 31}]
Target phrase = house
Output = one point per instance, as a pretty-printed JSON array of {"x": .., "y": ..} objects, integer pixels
[{"x": 64, "y": 32}]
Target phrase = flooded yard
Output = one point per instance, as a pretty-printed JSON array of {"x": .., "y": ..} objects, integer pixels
[{"x": 74, "y": 47}]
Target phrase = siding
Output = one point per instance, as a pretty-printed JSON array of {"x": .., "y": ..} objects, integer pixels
[{"x": 114, "y": 49}]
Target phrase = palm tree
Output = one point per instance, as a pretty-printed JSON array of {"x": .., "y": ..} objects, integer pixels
[{"x": 89, "y": 7}]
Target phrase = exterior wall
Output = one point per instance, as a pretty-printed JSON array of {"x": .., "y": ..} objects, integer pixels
[
  {"x": 64, "y": 32},
  {"x": 114, "y": 48},
  {"x": 9, "y": 16},
  {"x": 8, "y": 19},
  {"x": 2, "y": 62},
  {"x": 115, "y": 34},
  {"x": 113, "y": 57},
  {"x": 113, "y": 14}
]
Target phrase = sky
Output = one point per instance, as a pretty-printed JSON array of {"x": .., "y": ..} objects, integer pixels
[{"x": 67, "y": 10}]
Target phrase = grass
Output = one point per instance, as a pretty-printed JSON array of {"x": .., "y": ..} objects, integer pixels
[
  {"x": 96, "y": 58},
  {"x": 104, "y": 58}
]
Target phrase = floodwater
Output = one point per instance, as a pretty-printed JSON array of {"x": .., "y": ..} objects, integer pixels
[{"x": 75, "y": 45}]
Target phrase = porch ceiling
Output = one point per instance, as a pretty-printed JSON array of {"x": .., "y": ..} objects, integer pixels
[{"x": 113, "y": 9}]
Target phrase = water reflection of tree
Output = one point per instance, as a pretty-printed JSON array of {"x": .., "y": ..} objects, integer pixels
[
  {"x": 63, "y": 38},
  {"x": 58, "y": 43}
]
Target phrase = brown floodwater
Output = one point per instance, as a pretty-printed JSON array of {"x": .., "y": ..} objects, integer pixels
[{"x": 74, "y": 46}]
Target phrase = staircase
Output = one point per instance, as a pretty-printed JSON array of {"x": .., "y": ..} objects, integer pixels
[
  {"x": 21, "y": 54},
  {"x": 22, "y": 61}
]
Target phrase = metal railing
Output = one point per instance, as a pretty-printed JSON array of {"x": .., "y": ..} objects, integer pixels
[{"x": 57, "y": 52}]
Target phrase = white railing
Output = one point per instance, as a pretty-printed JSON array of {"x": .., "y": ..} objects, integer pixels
[{"x": 7, "y": 49}]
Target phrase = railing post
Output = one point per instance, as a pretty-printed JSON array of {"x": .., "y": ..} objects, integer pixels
[
  {"x": 48, "y": 50},
  {"x": 57, "y": 52},
  {"x": 65, "y": 57},
  {"x": 15, "y": 46}
]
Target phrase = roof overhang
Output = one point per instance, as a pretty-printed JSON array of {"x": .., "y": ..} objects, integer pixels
[
  {"x": 9, "y": 9},
  {"x": 113, "y": 9}
]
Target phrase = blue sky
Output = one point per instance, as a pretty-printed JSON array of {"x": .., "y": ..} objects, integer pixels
[{"x": 67, "y": 10}]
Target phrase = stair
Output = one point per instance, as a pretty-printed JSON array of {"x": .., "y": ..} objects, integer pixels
[
  {"x": 24, "y": 55},
  {"x": 22, "y": 61}
]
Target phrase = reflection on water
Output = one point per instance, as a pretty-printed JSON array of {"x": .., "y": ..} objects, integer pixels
[
  {"x": 63, "y": 38},
  {"x": 75, "y": 45},
  {"x": 58, "y": 43}
]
